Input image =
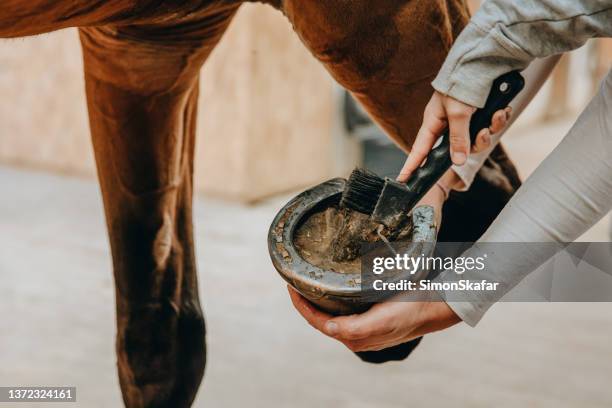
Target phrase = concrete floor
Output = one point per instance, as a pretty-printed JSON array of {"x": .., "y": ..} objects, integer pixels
[{"x": 57, "y": 326}]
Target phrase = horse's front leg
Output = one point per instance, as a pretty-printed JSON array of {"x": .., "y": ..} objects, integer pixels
[{"x": 142, "y": 97}]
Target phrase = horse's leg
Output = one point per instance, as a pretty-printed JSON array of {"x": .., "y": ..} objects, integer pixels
[
  {"x": 142, "y": 95},
  {"x": 386, "y": 53},
  {"x": 19, "y": 18}
]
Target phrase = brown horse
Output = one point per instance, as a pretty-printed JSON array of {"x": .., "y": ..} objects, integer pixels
[{"x": 142, "y": 62}]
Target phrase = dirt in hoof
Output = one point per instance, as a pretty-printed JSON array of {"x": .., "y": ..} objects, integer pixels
[{"x": 332, "y": 238}]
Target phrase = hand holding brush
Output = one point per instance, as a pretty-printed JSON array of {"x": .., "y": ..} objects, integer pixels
[
  {"x": 444, "y": 112},
  {"x": 387, "y": 200}
]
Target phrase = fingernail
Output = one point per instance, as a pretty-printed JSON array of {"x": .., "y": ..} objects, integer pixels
[
  {"x": 486, "y": 137},
  {"x": 331, "y": 328},
  {"x": 459, "y": 157}
]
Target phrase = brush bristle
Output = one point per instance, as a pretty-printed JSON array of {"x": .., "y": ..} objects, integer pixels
[{"x": 362, "y": 191}]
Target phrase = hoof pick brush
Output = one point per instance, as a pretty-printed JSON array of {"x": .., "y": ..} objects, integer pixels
[{"x": 386, "y": 200}]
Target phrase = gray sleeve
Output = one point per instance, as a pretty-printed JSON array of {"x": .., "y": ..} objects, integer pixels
[
  {"x": 506, "y": 35},
  {"x": 535, "y": 76},
  {"x": 567, "y": 194}
]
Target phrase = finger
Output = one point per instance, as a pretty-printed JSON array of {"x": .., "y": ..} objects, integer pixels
[
  {"x": 499, "y": 121},
  {"x": 374, "y": 322},
  {"x": 508, "y": 113},
  {"x": 433, "y": 124},
  {"x": 459, "y": 126},
  {"x": 483, "y": 141},
  {"x": 426, "y": 138},
  {"x": 348, "y": 328},
  {"x": 313, "y": 316}
]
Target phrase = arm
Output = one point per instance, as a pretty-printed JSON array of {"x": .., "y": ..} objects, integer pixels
[
  {"x": 462, "y": 177},
  {"x": 558, "y": 203},
  {"x": 501, "y": 37},
  {"x": 568, "y": 193},
  {"x": 507, "y": 35}
]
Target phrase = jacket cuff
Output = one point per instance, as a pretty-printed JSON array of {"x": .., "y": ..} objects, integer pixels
[
  {"x": 467, "y": 172},
  {"x": 468, "y": 312},
  {"x": 470, "y": 309},
  {"x": 474, "y": 62}
]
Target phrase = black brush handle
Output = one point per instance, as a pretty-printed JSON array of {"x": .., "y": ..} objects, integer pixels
[{"x": 504, "y": 89}]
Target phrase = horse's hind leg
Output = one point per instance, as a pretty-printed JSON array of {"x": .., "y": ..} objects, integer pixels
[
  {"x": 142, "y": 96},
  {"x": 387, "y": 52}
]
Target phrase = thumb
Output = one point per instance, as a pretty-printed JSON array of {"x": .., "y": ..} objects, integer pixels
[{"x": 431, "y": 128}]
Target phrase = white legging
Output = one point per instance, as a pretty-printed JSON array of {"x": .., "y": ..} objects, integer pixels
[{"x": 568, "y": 193}]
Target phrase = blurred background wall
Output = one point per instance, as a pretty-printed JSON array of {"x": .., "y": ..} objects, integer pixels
[
  {"x": 271, "y": 119},
  {"x": 267, "y": 120}
]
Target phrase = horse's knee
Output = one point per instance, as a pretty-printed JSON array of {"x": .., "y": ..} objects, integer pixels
[
  {"x": 134, "y": 65},
  {"x": 155, "y": 58}
]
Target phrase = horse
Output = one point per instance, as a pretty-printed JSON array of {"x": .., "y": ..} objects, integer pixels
[{"x": 142, "y": 62}]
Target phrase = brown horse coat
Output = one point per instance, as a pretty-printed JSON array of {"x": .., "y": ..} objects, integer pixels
[{"x": 142, "y": 63}]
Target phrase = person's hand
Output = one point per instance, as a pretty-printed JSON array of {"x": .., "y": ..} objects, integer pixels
[
  {"x": 441, "y": 112},
  {"x": 435, "y": 198},
  {"x": 438, "y": 194},
  {"x": 384, "y": 325}
]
